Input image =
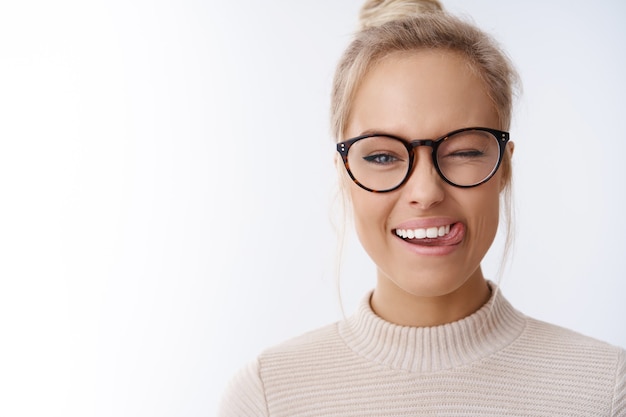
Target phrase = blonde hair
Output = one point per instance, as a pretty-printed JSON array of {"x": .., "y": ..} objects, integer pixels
[
  {"x": 391, "y": 26},
  {"x": 400, "y": 26}
]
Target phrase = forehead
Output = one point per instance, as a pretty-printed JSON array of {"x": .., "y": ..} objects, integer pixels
[{"x": 421, "y": 94}]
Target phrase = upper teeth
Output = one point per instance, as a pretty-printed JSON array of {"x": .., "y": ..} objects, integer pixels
[{"x": 430, "y": 232}]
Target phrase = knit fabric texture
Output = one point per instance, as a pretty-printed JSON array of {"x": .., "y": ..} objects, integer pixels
[{"x": 496, "y": 362}]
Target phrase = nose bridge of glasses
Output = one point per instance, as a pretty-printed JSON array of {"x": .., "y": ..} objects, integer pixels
[
  {"x": 414, "y": 146},
  {"x": 423, "y": 177},
  {"x": 422, "y": 142}
]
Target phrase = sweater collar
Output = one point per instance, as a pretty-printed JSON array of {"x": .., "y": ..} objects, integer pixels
[{"x": 430, "y": 349}]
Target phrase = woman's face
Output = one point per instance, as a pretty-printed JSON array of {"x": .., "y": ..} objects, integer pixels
[{"x": 424, "y": 95}]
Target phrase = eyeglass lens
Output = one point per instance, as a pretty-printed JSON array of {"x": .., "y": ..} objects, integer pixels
[{"x": 466, "y": 158}]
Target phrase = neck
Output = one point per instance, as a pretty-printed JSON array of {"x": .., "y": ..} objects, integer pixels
[{"x": 395, "y": 305}]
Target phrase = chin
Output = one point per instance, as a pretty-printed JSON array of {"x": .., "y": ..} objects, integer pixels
[{"x": 429, "y": 283}]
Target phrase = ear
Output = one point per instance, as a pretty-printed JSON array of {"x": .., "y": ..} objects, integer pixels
[
  {"x": 338, "y": 160},
  {"x": 510, "y": 148},
  {"x": 342, "y": 174},
  {"x": 343, "y": 189},
  {"x": 505, "y": 178}
]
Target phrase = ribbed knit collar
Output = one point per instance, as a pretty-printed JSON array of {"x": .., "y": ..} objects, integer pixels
[{"x": 432, "y": 349}]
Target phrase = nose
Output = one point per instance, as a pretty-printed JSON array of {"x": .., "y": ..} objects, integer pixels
[{"x": 424, "y": 188}]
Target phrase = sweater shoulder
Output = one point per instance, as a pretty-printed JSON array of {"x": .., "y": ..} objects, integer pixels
[
  {"x": 552, "y": 334},
  {"x": 244, "y": 394},
  {"x": 292, "y": 360},
  {"x": 577, "y": 357},
  {"x": 312, "y": 358},
  {"x": 555, "y": 348},
  {"x": 302, "y": 345}
]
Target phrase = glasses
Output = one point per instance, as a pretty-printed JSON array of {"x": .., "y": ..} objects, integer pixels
[{"x": 464, "y": 158}]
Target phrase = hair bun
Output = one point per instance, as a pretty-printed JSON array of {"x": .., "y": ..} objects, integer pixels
[{"x": 378, "y": 12}]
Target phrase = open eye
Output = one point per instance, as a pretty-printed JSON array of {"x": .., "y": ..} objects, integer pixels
[
  {"x": 381, "y": 158},
  {"x": 380, "y": 151}
]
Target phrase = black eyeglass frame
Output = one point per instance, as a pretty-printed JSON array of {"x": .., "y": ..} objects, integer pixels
[{"x": 501, "y": 136}]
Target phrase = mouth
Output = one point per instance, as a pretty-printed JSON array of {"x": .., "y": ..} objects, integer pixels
[
  {"x": 450, "y": 234},
  {"x": 426, "y": 233}
]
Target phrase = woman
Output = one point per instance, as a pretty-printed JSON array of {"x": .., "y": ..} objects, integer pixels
[{"x": 421, "y": 107}]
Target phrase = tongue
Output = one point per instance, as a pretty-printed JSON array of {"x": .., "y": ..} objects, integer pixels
[{"x": 437, "y": 241}]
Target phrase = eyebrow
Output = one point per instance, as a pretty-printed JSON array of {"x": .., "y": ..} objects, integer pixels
[{"x": 379, "y": 132}]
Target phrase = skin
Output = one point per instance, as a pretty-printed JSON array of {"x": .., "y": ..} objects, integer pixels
[{"x": 420, "y": 95}]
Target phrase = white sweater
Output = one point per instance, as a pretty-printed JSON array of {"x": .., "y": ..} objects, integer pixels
[{"x": 496, "y": 362}]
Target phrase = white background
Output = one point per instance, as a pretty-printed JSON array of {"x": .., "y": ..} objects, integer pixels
[{"x": 166, "y": 185}]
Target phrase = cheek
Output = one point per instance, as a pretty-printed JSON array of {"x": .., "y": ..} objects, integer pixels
[
  {"x": 486, "y": 212},
  {"x": 362, "y": 208}
]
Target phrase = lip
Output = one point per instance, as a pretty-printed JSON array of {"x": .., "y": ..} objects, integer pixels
[{"x": 444, "y": 246}]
